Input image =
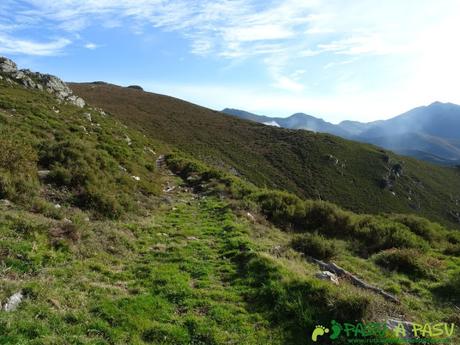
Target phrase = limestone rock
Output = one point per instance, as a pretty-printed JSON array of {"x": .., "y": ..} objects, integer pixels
[
  {"x": 42, "y": 174},
  {"x": 326, "y": 275},
  {"x": 5, "y": 202},
  {"x": 13, "y": 302},
  {"x": 35, "y": 80},
  {"x": 7, "y": 65}
]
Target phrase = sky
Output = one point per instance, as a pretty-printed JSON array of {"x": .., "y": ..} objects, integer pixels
[{"x": 337, "y": 59}]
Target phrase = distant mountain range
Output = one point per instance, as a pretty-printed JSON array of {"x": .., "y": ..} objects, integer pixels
[{"x": 430, "y": 133}]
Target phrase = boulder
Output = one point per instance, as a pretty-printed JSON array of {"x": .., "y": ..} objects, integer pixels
[
  {"x": 5, "y": 202},
  {"x": 329, "y": 276},
  {"x": 43, "y": 174},
  {"x": 7, "y": 65},
  {"x": 13, "y": 302}
]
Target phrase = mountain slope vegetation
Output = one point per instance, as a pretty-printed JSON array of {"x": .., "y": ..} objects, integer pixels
[
  {"x": 359, "y": 177},
  {"x": 111, "y": 236}
]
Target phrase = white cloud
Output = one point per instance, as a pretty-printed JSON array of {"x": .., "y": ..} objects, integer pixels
[
  {"x": 413, "y": 42},
  {"x": 11, "y": 45},
  {"x": 91, "y": 46}
]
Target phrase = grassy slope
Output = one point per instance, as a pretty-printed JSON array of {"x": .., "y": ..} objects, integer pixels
[
  {"x": 296, "y": 161},
  {"x": 122, "y": 261}
]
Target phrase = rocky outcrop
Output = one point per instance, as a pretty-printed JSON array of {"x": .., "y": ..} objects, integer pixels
[
  {"x": 35, "y": 80},
  {"x": 7, "y": 66}
]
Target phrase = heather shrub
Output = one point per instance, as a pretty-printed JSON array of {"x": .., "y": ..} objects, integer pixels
[
  {"x": 315, "y": 245},
  {"x": 407, "y": 261},
  {"x": 18, "y": 168}
]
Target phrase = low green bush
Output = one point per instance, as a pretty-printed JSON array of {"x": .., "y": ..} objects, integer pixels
[
  {"x": 450, "y": 290},
  {"x": 315, "y": 245},
  {"x": 422, "y": 227},
  {"x": 368, "y": 233},
  {"x": 376, "y": 233},
  {"x": 18, "y": 168},
  {"x": 407, "y": 261},
  {"x": 282, "y": 208},
  {"x": 452, "y": 249}
]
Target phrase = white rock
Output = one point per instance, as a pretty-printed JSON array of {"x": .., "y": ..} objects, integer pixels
[
  {"x": 7, "y": 65},
  {"x": 137, "y": 178},
  {"x": 13, "y": 302},
  {"x": 250, "y": 217},
  {"x": 5, "y": 202},
  {"x": 79, "y": 102},
  {"x": 43, "y": 173},
  {"x": 326, "y": 275},
  {"x": 88, "y": 116}
]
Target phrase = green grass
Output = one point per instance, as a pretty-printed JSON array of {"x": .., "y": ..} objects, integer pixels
[
  {"x": 104, "y": 258},
  {"x": 186, "y": 275},
  {"x": 295, "y": 161},
  {"x": 95, "y": 164},
  {"x": 403, "y": 254}
]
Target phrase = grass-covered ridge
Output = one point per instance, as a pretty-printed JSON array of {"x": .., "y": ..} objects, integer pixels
[
  {"x": 358, "y": 177},
  {"x": 110, "y": 246},
  {"x": 83, "y": 158}
]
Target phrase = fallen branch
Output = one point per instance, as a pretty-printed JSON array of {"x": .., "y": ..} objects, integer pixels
[{"x": 332, "y": 267}]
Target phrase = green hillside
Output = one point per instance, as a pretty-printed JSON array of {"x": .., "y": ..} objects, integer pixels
[
  {"x": 359, "y": 177},
  {"x": 111, "y": 236}
]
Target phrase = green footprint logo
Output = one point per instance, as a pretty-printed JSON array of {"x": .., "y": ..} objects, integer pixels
[
  {"x": 336, "y": 330},
  {"x": 319, "y": 330}
]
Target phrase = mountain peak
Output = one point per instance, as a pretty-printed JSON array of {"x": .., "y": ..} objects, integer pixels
[{"x": 442, "y": 104}]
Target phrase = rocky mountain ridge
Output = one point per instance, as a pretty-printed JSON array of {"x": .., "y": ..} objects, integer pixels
[{"x": 35, "y": 80}]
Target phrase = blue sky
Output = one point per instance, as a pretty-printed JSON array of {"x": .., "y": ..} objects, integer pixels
[{"x": 358, "y": 59}]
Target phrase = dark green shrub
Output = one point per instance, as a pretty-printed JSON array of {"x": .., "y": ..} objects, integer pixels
[
  {"x": 452, "y": 249},
  {"x": 376, "y": 233},
  {"x": 282, "y": 208},
  {"x": 60, "y": 176},
  {"x": 420, "y": 226},
  {"x": 450, "y": 290},
  {"x": 327, "y": 217},
  {"x": 407, "y": 261},
  {"x": 101, "y": 201},
  {"x": 316, "y": 246}
]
